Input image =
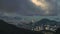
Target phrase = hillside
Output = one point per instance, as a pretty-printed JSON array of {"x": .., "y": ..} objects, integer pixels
[
  {"x": 46, "y": 21},
  {"x": 12, "y": 29}
]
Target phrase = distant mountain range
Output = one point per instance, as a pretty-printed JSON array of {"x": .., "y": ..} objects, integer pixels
[
  {"x": 39, "y": 23},
  {"x": 29, "y": 25},
  {"x": 10, "y": 18},
  {"x": 44, "y": 21},
  {"x": 47, "y": 21}
]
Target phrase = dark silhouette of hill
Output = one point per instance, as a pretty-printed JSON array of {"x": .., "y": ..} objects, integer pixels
[
  {"x": 47, "y": 32},
  {"x": 46, "y": 21},
  {"x": 6, "y": 28},
  {"x": 58, "y": 31}
]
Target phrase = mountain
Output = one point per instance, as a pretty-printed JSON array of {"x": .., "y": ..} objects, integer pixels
[
  {"x": 6, "y": 28},
  {"x": 10, "y": 17},
  {"x": 46, "y": 21}
]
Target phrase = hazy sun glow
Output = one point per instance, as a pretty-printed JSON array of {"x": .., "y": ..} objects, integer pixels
[{"x": 43, "y": 4}]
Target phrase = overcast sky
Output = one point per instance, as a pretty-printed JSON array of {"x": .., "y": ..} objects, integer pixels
[{"x": 29, "y": 7}]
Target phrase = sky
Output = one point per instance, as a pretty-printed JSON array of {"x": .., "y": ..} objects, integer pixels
[{"x": 28, "y": 9}]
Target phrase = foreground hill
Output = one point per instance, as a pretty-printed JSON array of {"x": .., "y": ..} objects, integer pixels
[
  {"x": 57, "y": 31},
  {"x": 11, "y": 29}
]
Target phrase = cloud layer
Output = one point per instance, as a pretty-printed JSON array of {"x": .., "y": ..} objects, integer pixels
[
  {"x": 29, "y": 7},
  {"x": 48, "y": 7}
]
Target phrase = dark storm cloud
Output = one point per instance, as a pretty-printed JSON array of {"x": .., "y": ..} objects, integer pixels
[
  {"x": 23, "y": 7},
  {"x": 15, "y": 6},
  {"x": 9, "y": 5}
]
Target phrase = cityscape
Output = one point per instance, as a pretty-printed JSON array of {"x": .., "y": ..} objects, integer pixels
[{"x": 44, "y": 27}]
